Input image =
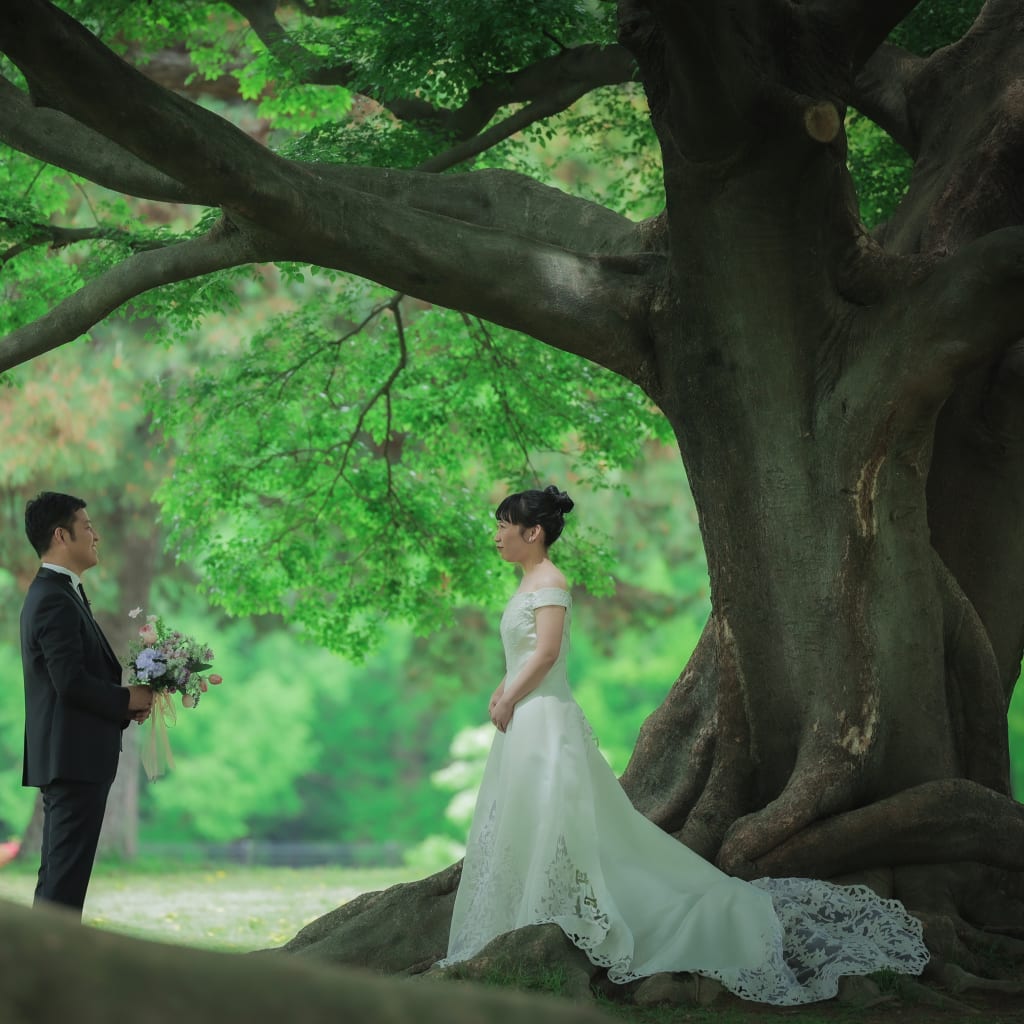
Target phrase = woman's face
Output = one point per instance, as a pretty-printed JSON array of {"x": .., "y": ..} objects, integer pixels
[{"x": 512, "y": 541}]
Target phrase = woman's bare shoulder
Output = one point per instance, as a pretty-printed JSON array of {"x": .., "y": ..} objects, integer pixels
[{"x": 549, "y": 578}]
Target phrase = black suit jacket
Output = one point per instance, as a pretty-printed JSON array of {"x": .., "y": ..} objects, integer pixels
[{"x": 75, "y": 705}]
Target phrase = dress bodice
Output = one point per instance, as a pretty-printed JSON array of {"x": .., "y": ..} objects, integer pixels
[{"x": 519, "y": 634}]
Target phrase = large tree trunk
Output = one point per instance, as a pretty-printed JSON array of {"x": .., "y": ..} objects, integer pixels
[
  {"x": 846, "y": 707},
  {"x": 139, "y": 547},
  {"x": 844, "y": 714}
]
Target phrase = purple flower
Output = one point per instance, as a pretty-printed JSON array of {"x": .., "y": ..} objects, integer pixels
[{"x": 149, "y": 665}]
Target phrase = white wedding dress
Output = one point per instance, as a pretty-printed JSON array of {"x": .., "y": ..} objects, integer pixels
[{"x": 555, "y": 840}]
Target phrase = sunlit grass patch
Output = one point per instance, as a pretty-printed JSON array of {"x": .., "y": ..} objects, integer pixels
[{"x": 233, "y": 908}]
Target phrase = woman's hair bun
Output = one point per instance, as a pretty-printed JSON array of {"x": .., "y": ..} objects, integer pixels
[
  {"x": 562, "y": 502},
  {"x": 546, "y": 509}
]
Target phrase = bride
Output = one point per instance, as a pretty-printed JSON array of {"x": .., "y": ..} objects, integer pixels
[{"x": 554, "y": 838}]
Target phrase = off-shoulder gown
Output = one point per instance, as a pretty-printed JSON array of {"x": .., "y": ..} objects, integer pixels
[{"x": 554, "y": 839}]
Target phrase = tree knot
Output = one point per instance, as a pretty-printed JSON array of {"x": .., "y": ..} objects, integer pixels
[{"x": 822, "y": 121}]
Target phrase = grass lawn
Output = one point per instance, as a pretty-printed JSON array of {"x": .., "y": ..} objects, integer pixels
[{"x": 225, "y": 907}]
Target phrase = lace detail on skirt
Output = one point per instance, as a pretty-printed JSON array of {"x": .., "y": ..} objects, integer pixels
[
  {"x": 828, "y": 932},
  {"x": 570, "y": 901},
  {"x": 820, "y": 932},
  {"x": 492, "y": 882}
]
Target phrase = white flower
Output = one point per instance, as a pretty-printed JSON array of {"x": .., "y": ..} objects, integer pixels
[{"x": 134, "y": 613}]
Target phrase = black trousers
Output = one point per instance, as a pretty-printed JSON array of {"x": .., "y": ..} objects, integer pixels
[{"x": 72, "y": 818}]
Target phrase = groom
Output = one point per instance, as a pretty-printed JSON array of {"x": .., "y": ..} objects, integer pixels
[{"x": 75, "y": 705}]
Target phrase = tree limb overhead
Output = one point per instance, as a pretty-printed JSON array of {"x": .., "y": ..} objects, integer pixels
[
  {"x": 221, "y": 248},
  {"x": 576, "y": 70},
  {"x": 865, "y": 22},
  {"x": 880, "y": 92},
  {"x": 58, "y": 139}
]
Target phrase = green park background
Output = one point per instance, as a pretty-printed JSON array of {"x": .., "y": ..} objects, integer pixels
[
  {"x": 384, "y": 753},
  {"x": 303, "y": 744}
]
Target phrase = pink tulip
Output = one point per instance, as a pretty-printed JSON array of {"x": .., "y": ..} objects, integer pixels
[
  {"x": 148, "y": 634},
  {"x": 188, "y": 701},
  {"x": 216, "y": 680},
  {"x": 202, "y": 685}
]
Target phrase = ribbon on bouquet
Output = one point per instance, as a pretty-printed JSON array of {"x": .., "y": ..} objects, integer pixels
[{"x": 156, "y": 753}]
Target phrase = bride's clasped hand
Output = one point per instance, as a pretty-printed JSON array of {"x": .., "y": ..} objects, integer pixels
[{"x": 554, "y": 838}]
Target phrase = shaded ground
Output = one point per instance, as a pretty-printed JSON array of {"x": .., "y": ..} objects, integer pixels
[
  {"x": 983, "y": 1010},
  {"x": 251, "y": 908}
]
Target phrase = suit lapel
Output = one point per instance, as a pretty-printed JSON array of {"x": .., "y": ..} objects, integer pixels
[{"x": 65, "y": 581}]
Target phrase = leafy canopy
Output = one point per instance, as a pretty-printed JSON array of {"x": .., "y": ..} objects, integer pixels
[{"x": 338, "y": 448}]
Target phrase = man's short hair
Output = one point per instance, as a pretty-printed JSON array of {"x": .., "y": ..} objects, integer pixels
[{"x": 47, "y": 511}]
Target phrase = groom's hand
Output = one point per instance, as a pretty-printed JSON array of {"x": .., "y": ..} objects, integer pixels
[{"x": 140, "y": 698}]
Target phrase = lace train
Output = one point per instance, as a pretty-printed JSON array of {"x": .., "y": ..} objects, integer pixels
[{"x": 817, "y": 933}]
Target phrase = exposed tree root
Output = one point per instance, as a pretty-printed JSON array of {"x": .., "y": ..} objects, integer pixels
[
  {"x": 915, "y": 991},
  {"x": 957, "y": 980},
  {"x": 951, "y": 819},
  {"x": 537, "y": 957},
  {"x": 811, "y": 793},
  {"x": 402, "y": 930},
  {"x": 724, "y": 797},
  {"x": 684, "y": 722},
  {"x": 977, "y": 703}
]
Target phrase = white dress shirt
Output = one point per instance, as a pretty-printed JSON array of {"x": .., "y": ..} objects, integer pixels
[{"x": 76, "y": 580}]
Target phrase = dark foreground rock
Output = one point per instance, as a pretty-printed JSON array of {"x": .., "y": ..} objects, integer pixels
[{"x": 53, "y": 970}]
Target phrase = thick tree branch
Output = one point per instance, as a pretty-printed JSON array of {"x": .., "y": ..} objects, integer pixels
[
  {"x": 502, "y": 200},
  {"x": 221, "y": 248},
  {"x": 193, "y": 146},
  {"x": 590, "y": 304},
  {"x": 577, "y": 70},
  {"x": 174, "y": 70},
  {"x": 581, "y": 68},
  {"x": 593, "y": 303},
  {"x": 969, "y": 309},
  {"x": 964, "y": 130},
  {"x": 913, "y": 348},
  {"x": 517, "y": 122},
  {"x": 57, "y": 237},
  {"x": 865, "y": 23},
  {"x": 57, "y": 139},
  {"x": 880, "y": 92}
]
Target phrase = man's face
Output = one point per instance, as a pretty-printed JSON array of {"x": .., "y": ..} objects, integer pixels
[{"x": 78, "y": 545}]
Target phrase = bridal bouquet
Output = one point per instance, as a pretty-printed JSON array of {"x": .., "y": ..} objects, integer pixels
[{"x": 170, "y": 662}]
